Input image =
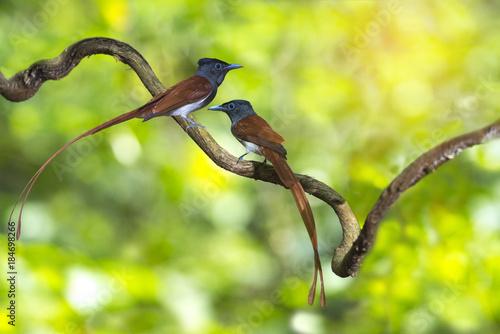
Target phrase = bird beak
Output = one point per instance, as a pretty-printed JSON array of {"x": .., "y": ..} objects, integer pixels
[
  {"x": 233, "y": 67},
  {"x": 218, "y": 108}
]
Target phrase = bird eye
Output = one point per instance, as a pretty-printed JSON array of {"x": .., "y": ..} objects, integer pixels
[
  {"x": 230, "y": 106},
  {"x": 218, "y": 66}
]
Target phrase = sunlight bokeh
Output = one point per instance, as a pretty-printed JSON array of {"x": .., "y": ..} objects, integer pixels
[{"x": 136, "y": 230}]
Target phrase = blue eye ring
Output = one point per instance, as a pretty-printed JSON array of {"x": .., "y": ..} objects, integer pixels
[
  {"x": 230, "y": 106},
  {"x": 218, "y": 66}
]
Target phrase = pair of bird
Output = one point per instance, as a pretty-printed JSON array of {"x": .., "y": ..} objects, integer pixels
[{"x": 249, "y": 129}]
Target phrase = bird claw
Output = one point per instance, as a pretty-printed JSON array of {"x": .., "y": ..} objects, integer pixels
[
  {"x": 198, "y": 125},
  {"x": 192, "y": 123}
]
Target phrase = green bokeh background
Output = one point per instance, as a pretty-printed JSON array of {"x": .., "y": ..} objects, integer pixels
[{"x": 137, "y": 231}]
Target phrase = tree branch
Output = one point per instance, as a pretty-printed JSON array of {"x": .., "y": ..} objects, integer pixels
[
  {"x": 354, "y": 245},
  {"x": 411, "y": 175},
  {"x": 25, "y": 84}
]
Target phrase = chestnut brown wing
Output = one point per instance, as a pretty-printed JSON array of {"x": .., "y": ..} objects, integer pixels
[
  {"x": 191, "y": 90},
  {"x": 256, "y": 130}
]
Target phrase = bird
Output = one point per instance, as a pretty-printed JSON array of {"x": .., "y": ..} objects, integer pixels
[
  {"x": 253, "y": 132},
  {"x": 189, "y": 95}
]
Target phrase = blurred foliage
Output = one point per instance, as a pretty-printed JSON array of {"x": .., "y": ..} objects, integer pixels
[{"x": 142, "y": 233}]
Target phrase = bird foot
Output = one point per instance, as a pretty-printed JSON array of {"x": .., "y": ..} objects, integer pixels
[{"x": 198, "y": 125}]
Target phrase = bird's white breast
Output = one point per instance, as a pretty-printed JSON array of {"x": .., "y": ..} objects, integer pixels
[
  {"x": 250, "y": 146},
  {"x": 188, "y": 108}
]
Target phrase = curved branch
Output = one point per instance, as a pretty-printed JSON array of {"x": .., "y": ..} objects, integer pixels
[
  {"x": 25, "y": 85},
  {"x": 355, "y": 243},
  {"x": 411, "y": 175}
]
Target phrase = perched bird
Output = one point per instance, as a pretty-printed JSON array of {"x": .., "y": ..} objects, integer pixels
[
  {"x": 187, "y": 96},
  {"x": 253, "y": 132}
]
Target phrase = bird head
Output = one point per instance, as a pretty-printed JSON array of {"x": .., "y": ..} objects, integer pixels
[
  {"x": 235, "y": 109},
  {"x": 214, "y": 69}
]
